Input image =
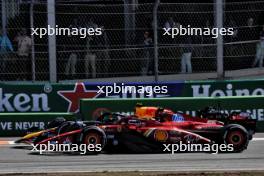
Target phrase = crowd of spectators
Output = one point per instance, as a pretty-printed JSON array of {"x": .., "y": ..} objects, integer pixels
[
  {"x": 99, "y": 56},
  {"x": 15, "y": 56}
]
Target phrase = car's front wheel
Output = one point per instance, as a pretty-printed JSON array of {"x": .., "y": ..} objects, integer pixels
[{"x": 94, "y": 141}]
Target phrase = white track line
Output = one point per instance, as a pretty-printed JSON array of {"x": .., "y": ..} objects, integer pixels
[
  {"x": 258, "y": 139},
  {"x": 13, "y": 142}
]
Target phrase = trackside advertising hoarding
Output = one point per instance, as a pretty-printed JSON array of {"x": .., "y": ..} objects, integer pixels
[
  {"x": 187, "y": 105},
  {"x": 65, "y": 98}
]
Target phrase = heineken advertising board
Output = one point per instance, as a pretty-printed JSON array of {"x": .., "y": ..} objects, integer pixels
[{"x": 65, "y": 97}]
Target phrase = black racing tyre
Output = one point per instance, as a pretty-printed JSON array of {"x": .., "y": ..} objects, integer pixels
[{"x": 236, "y": 135}]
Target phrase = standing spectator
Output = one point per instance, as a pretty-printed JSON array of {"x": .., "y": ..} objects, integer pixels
[
  {"x": 103, "y": 53},
  {"x": 207, "y": 51},
  {"x": 186, "y": 65},
  {"x": 260, "y": 50},
  {"x": 70, "y": 69},
  {"x": 170, "y": 23},
  {"x": 91, "y": 55},
  {"x": 23, "y": 52},
  {"x": 233, "y": 49},
  {"x": 148, "y": 62},
  {"x": 250, "y": 32},
  {"x": 90, "y": 59},
  {"x": 5, "y": 49},
  {"x": 92, "y": 24}
]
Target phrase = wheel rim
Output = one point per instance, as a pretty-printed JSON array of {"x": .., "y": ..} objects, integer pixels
[
  {"x": 92, "y": 138},
  {"x": 236, "y": 138}
]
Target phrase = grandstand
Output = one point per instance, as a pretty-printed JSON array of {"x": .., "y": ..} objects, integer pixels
[{"x": 121, "y": 53}]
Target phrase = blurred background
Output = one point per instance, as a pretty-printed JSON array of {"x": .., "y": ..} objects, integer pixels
[{"x": 132, "y": 45}]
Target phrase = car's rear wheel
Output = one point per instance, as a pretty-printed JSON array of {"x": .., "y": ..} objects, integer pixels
[{"x": 237, "y": 136}]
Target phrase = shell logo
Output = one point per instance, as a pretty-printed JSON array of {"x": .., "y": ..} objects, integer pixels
[
  {"x": 119, "y": 129},
  {"x": 161, "y": 135}
]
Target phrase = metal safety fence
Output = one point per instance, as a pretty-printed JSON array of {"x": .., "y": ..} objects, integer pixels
[{"x": 132, "y": 40}]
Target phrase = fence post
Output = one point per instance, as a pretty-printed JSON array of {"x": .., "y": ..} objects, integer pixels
[
  {"x": 52, "y": 42},
  {"x": 4, "y": 17},
  {"x": 220, "y": 50},
  {"x": 155, "y": 44},
  {"x": 130, "y": 18},
  {"x": 33, "y": 61}
]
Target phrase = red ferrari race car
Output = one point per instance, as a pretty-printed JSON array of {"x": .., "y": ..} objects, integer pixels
[
  {"x": 116, "y": 133},
  {"x": 206, "y": 115}
]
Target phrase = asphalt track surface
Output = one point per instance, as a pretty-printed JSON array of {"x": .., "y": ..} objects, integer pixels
[{"x": 13, "y": 160}]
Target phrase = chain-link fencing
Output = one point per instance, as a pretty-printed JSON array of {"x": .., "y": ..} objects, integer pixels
[
  {"x": 240, "y": 49},
  {"x": 126, "y": 46}
]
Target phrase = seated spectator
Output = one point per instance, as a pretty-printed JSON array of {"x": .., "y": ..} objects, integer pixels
[
  {"x": 260, "y": 50},
  {"x": 23, "y": 52},
  {"x": 5, "y": 48}
]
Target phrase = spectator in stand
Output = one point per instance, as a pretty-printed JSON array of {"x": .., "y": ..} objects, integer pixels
[
  {"x": 103, "y": 53},
  {"x": 260, "y": 50},
  {"x": 186, "y": 65},
  {"x": 251, "y": 31},
  {"x": 91, "y": 55},
  {"x": 24, "y": 45},
  {"x": 148, "y": 60},
  {"x": 92, "y": 24},
  {"x": 6, "y": 48},
  {"x": 70, "y": 69},
  {"x": 172, "y": 51},
  {"x": 170, "y": 23},
  {"x": 207, "y": 51},
  {"x": 90, "y": 59},
  {"x": 233, "y": 49},
  {"x": 232, "y": 24}
]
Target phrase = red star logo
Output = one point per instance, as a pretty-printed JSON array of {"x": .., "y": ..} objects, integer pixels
[{"x": 74, "y": 96}]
